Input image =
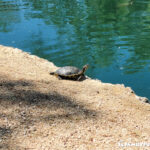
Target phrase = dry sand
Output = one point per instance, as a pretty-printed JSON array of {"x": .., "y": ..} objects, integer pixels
[{"x": 40, "y": 112}]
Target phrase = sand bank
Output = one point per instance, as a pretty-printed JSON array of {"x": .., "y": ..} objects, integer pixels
[{"x": 38, "y": 111}]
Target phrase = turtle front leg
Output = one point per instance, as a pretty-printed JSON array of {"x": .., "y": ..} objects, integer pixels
[{"x": 79, "y": 78}]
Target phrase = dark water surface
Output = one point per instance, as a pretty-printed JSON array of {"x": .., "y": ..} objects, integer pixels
[{"x": 113, "y": 36}]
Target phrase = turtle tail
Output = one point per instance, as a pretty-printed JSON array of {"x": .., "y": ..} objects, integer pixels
[{"x": 52, "y": 73}]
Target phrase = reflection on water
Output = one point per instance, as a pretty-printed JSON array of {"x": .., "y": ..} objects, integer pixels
[{"x": 111, "y": 35}]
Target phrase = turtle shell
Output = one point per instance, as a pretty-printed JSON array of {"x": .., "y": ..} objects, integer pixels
[{"x": 68, "y": 71}]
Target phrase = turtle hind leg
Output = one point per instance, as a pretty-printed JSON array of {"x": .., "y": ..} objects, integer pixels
[{"x": 58, "y": 77}]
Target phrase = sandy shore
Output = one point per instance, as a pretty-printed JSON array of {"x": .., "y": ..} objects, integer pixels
[{"x": 38, "y": 111}]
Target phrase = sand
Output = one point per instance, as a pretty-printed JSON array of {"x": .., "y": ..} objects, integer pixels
[{"x": 38, "y": 111}]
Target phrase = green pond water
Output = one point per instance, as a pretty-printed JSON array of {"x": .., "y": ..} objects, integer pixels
[{"x": 112, "y": 36}]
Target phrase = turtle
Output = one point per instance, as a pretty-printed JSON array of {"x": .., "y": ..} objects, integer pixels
[{"x": 70, "y": 72}]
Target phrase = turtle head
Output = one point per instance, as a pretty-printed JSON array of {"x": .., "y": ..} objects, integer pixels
[{"x": 85, "y": 67}]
